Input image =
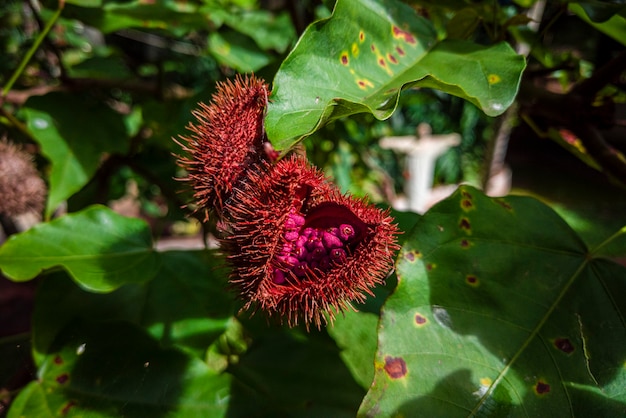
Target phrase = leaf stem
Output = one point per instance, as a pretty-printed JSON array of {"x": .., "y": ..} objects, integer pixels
[
  {"x": 33, "y": 49},
  {"x": 621, "y": 231}
]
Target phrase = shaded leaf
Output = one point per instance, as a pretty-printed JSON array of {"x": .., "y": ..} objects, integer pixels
[
  {"x": 614, "y": 26},
  {"x": 185, "y": 305},
  {"x": 287, "y": 374},
  {"x": 237, "y": 51},
  {"x": 100, "y": 249},
  {"x": 269, "y": 31},
  {"x": 74, "y": 145},
  {"x": 114, "y": 369},
  {"x": 601, "y": 11},
  {"x": 360, "y": 59},
  {"x": 500, "y": 310},
  {"x": 111, "y": 16}
]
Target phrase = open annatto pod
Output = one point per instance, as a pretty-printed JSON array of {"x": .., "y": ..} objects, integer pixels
[{"x": 299, "y": 248}]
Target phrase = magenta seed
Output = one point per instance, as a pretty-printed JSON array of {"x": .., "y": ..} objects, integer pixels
[
  {"x": 318, "y": 252},
  {"x": 346, "y": 232},
  {"x": 338, "y": 254},
  {"x": 291, "y": 235},
  {"x": 279, "y": 277},
  {"x": 300, "y": 252},
  {"x": 298, "y": 219},
  {"x": 331, "y": 241},
  {"x": 301, "y": 241}
]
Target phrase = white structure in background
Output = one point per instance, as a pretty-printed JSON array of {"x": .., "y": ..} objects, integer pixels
[{"x": 421, "y": 153}]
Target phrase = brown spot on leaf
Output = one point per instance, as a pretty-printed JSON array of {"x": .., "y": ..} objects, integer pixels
[
  {"x": 504, "y": 204},
  {"x": 471, "y": 280},
  {"x": 400, "y": 51},
  {"x": 404, "y": 35},
  {"x": 63, "y": 378},
  {"x": 361, "y": 36},
  {"x": 465, "y": 243},
  {"x": 467, "y": 204},
  {"x": 392, "y": 58},
  {"x": 564, "y": 344},
  {"x": 395, "y": 367},
  {"x": 373, "y": 47},
  {"x": 67, "y": 407},
  {"x": 419, "y": 319},
  {"x": 344, "y": 59},
  {"x": 410, "y": 256},
  {"x": 382, "y": 62},
  {"x": 58, "y": 360},
  {"x": 465, "y": 225},
  {"x": 430, "y": 266},
  {"x": 541, "y": 388}
]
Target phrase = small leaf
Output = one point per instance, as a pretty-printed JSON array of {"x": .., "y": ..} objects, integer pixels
[
  {"x": 502, "y": 310},
  {"x": 74, "y": 145},
  {"x": 360, "y": 59},
  {"x": 100, "y": 249}
]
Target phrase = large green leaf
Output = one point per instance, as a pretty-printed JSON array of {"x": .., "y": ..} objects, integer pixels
[
  {"x": 185, "y": 305},
  {"x": 114, "y": 369},
  {"x": 74, "y": 145},
  {"x": 360, "y": 58},
  {"x": 101, "y": 250},
  {"x": 500, "y": 310}
]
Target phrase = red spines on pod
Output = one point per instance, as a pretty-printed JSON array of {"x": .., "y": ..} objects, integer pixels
[
  {"x": 299, "y": 248},
  {"x": 228, "y": 136}
]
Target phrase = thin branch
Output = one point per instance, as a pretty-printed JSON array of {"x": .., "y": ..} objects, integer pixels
[{"x": 18, "y": 71}]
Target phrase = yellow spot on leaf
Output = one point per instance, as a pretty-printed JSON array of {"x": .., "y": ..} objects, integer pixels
[
  {"x": 361, "y": 36},
  {"x": 485, "y": 381},
  {"x": 355, "y": 50},
  {"x": 493, "y": 79}
]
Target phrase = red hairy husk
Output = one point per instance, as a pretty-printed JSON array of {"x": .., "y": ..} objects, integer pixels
[
  {"x": 299, "y": 249},
  {"x": 226, "y": 138}
]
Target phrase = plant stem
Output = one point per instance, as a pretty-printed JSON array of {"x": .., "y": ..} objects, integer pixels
[{"x": 33, "y": 49}]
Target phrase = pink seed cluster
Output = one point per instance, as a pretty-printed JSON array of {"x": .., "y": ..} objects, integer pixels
[{"x": 307, "y": 249}]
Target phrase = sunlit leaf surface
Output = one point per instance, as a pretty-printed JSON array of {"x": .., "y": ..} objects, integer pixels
[
  {"x": 360, "y": 58},
  {"x": 500, "y": 310}
]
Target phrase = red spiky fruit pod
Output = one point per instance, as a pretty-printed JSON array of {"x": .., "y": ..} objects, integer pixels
[
  {"x": 298, "y": 248},
  {"x": 227, "y": 138}
]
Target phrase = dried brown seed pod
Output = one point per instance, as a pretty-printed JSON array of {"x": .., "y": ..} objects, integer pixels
[{"x": 21, "y": 188}]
